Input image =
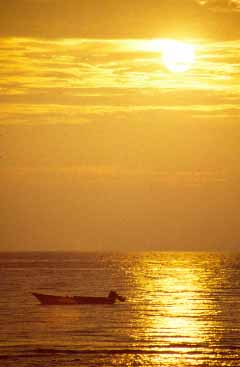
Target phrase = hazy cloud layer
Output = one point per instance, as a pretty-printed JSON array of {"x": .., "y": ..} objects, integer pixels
[
  {"x": 78, "y": 80},
  {"x": 101, "y": 146},
  {"x": 111, "y": 19},
  {"x": 221, "y": 5}
]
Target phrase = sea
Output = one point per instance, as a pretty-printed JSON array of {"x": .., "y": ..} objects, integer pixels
[{"x": 182, "y": 309}]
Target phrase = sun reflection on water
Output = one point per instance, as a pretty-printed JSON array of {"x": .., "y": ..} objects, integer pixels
[
  {"x": 181, "y": 310},
  {"x": 177, "y": 315}
]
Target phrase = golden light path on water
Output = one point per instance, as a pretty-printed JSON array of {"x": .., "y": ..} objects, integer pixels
[
  {"x": 182, "y": 310},
  {"x": 180, "y": 316},
  {"x": 168, "y": 318}
]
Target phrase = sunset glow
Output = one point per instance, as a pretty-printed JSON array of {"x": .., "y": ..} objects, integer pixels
[
  {"x": 119, "y": 117},
  {"x": 178, "y": 56},
  {"x": 120, "y": 183}
]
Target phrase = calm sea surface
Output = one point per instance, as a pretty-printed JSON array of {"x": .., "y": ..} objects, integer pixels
[{"x": 182, "y": 309}]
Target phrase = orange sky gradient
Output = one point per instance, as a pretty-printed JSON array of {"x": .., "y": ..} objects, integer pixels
[{"x": 101, "y": 146}]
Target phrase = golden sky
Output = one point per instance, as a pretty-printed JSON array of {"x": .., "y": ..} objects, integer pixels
[{"x": 101, "y": 145}]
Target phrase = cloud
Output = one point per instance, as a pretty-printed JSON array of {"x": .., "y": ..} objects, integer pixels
[
  {"x": 197, "y": 178},
  {"x": 221, "y": 5},
  {"x": 108, "y": 19},
  {"x": 79, "y": 80}
]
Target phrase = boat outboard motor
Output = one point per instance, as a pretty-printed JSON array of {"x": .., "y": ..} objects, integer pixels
[
  {"x": 121, "y": 298},
  {"x": 113, "y": 295}
]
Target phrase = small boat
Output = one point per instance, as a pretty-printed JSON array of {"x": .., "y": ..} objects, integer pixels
[{"x": 47, "y": 299}]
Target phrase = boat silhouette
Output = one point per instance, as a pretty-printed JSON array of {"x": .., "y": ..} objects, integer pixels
[{"x": 47, "y": 299}]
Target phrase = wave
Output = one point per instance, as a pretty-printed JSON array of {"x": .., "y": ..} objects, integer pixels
[{"x": 171, "y": 349}]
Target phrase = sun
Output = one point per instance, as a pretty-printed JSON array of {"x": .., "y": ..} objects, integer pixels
[{"x": 177, "y": 56}]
